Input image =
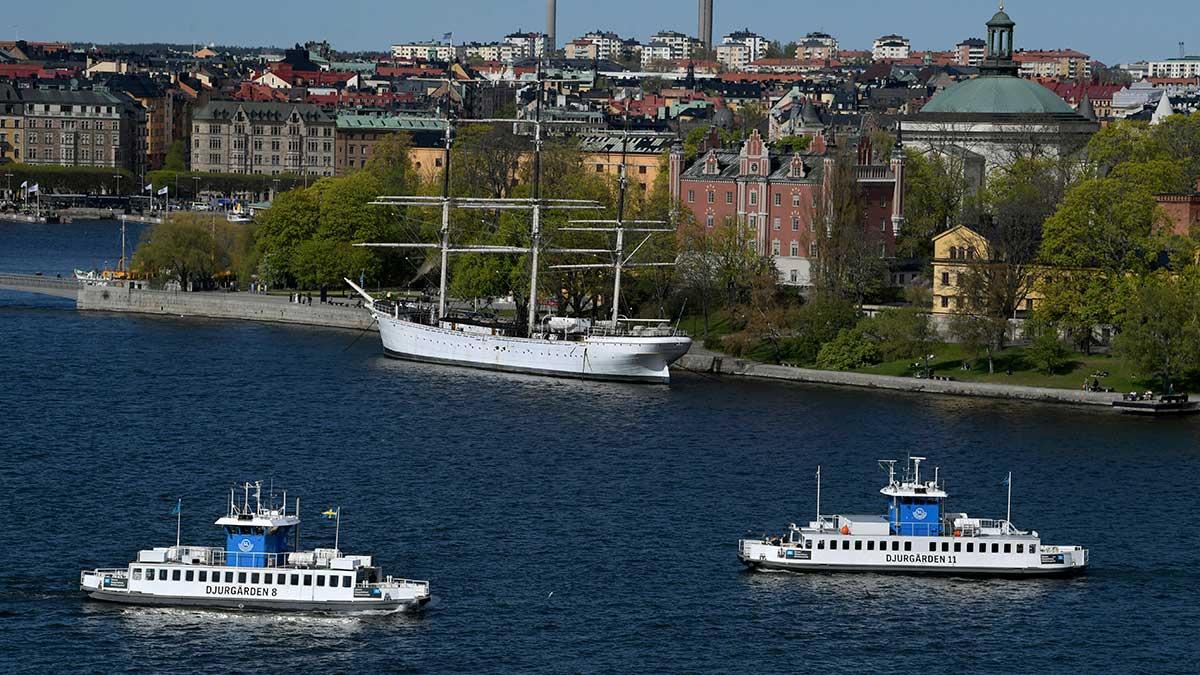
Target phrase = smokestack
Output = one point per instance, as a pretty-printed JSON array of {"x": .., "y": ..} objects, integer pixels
[
  {"x": 704, "y": 33},
  {"x": 551, "y": 26}
]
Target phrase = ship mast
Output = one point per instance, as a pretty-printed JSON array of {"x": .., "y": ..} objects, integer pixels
[
  {"x": 535, "y": 234},
  {"x": 445, "y": 207}
]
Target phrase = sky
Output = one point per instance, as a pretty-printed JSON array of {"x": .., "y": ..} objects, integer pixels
[{"x": 1112, "y": 31}]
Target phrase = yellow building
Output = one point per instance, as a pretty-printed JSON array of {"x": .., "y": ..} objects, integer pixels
[
  {"x": 642, "y": 153},
  {"x": 955, "y": 252}
]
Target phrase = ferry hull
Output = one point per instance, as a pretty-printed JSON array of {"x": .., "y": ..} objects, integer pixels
[
  {"x": 907, "y": 570},
  {"x": 253, "y": 604},
  {"x": 623, "y": 359}
]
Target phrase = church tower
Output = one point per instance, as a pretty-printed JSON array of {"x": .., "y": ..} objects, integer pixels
[{"x": 999, "y": 60}]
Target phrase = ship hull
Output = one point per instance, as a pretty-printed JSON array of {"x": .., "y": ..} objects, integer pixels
[
  {"x": 759, "y": 565},
  {"x": 257, "y": 605},
  {"x": 624, "y": 359}
]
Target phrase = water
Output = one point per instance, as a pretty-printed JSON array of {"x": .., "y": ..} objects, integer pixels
[{"x": 565, "y": 526}]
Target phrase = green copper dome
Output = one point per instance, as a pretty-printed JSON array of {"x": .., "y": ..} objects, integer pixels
[{"x": 998, "y": 94}]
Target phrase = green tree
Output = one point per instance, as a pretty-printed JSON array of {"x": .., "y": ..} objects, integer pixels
[
  {"x": 1048, "y": 354},
  {"x": 176, "y": 159},
  {"x": 902, "y": 333},
  {"x": 1160, "y": 327},
  {"x": 818, "y": 321},
  {"x": 935, "y": 193},
  {"x": 849, "y": 350},
  {"x": 181, "y": 248},
  {"x": 848, "y": 262}
]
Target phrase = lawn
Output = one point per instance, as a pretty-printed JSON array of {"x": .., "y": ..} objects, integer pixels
[{"x": 1013, "y": 368}]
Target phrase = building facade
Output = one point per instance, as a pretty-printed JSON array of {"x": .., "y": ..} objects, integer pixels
[
  {"x": 428, "y": 51},
  {"x": 12, "y": 121},
  {"x": 970, "y": 52},
  {"x": 779, "y": 197},
  {"x": 1183, "y": 211},
  {"x": 1188, "y": 66},
  {"x": 267, "y": 138},
  {"x": 357, "y": 136},
  {"x": 642, "y": 154},
  {"x": 891, "y": 48},
  {"x": 82, "y": 128},
  {"x": 1059, "y": 63}
]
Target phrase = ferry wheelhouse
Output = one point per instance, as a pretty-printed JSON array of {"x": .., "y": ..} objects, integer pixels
[
  {"x": 261, "y": 567},
  {"x": 915, "y": 536}
]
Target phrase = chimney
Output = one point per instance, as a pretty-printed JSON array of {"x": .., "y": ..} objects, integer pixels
[
  {"x": 551, "y": 26},
  {"x": 705, "y": 30}
]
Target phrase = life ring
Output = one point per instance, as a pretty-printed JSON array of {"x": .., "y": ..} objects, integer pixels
[{"x": 845, "y": 529}]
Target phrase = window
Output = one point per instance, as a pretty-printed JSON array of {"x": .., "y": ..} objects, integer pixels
[
  {"x": 808, "y": 544},
  {"x": 995, "y": 548},
  {"x": 753, "y": 220},
  {"x": 320, "y": 579},
  {"x": 820, "y": 544},
  {"x": 908, "y": 546},
  {"x": 228, "y": 578},
  {"x": 870, "y": 545},
  {"x": 691, "y": 196},
  {"x": 1033, "y": 548},
  {"x": 775, "y": 224},
  {"x": 709, "y": 220},
  {"x": 778, "y": 199},
  {"x": 958, "y": 547},
  {"x": 795, "y": 201},
  {"x": 346, "y": 578},
  {"x": 241, "y": 577},
  {"x": 1008, "y": 548},
  {"x": 254, "y": 578},
  {"x": 775, "y": 247},
  {"x": 712, "y": 197},
  {"x": 945, "y": 547},
  {"x": 895, "y": 545},
  {"x": 846, "y": 545},
  {"x": 599, "y": 168},
  {"x": 754, "y": 167},
  {"x": 175, "y": 574},
  {"x": 189, "y": 576},
  {"x": 970, "y": 547},
  {"x": 729, "y": 197},
  {"x": 932, "y": 546},
  {"x": 268, "y": 577},
  {"x": 203, "y": 575},
  {"x": 149, "y": 574},
  {"x": 1020, "y": 548},
  {"x": 812, "y": 250},
  {"x": 795, "y": 224},
  {"x": 794, "y": 251},
  {"x": 295, "y": 579},
  {"x": 753, "y": 198},
  {"x": 945, "y": 301},
  {"x": 308, "y": 579},
  {"x": 858, "y": 545}
]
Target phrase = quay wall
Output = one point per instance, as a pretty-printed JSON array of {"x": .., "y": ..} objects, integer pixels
[
  {"x": 723, "y": 365},
  {"x": 215, "y": 305}
]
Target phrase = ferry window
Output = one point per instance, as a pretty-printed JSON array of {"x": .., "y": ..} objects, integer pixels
[
  {"x": 821, "y": 544},
  {"x": 846, "y": 545},
  {"x": 174, "y": 575},
  {"x": 295, "y": 579},
  {"x": 970, "y": 547},
  {"x": 808, "y": 544},
  {"x": 320, "y": 579},
  {"x": 932, "y": 546},
  {"x": 241, "y": 577},
  {"x": 858, "y": 545},
  {"x": 347, "y": 583},
  {"x": 945, "y": 547},
  {"x": 1033, "y": 548},
  {"x": 137, "y": 574},
  {"x": 203, "y": 575},
  {"x": 268, "y": 578},
  {"x": 1020, "y": 548},
  {"x": 957, "y": 547},
  {"x": 995, "y": 548},
  {"x": 308, "y": 580},
  {"x": 1008, "y": 548},
  {"x": 149, "y": 574},
  {"x": 254, "y": 577},
  {"x": 190, "y": 576},
  {"x": 870, "y": 545},
  {"x": 895, "y": 546},
  {"x": 228, "y": 577},
  {"x": 908, "y": 546}
]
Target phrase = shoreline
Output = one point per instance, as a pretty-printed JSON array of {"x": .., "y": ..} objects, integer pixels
[{"x": 720, "y": 365}]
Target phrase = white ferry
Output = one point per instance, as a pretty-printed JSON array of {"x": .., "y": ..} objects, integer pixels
[
  {"x": 261, "y": 567},
  {"x": 914, "y": 537}
]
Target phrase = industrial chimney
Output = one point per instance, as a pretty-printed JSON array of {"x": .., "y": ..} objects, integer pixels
[
  {"x": 551, "y": 25},
  {"x": 704, "y": 33}
]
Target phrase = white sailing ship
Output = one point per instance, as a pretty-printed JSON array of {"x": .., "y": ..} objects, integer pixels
[
  {"x": 615, "y": 349},
  {"x": 261, "y": 567},
  {"x": 914, "y": 537}
]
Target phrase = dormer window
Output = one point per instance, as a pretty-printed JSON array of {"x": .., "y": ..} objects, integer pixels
[{"x": 711, "y": 167}]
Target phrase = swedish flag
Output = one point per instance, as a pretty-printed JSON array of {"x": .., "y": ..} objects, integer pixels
[{"x": 330, "y": 514}]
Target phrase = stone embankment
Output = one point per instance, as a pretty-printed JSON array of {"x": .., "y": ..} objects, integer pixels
[
  {"x": 716, "y": 364},
  {"x": 215, "y": 305}
]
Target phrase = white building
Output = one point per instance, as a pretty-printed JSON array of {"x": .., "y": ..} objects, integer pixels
[
  {"x": 890, "y": 47},
  {"x": 428, "y": 51},
  {"x": 529, "y": 45},
  {"x": 1188, "y": 66},
  {"x": 681, "y": 46},
  {"x": 608, "y": 45},
  {"x": 755, "y": 42}
]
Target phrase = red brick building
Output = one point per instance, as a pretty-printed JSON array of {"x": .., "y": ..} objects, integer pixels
[
  {"x": 1183, "y": 210},
  {"x": 779, "y": 196}
]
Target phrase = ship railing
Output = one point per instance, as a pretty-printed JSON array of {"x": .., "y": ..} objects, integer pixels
[
  {"x": 636, "y": 331},
  {"x": 396, "y": 582},
  {"x": 117, "y": 572}
]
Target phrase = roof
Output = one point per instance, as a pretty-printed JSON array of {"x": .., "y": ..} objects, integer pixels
[
  {"x": 1001, "y": 20},
  {"x": 637, "y": 144},
  {"x": 998, "y": 94},
  {"x": 70, "y": 96},
  {"x": 389, "y": 123},
  {"x": 261, "y": 111}
]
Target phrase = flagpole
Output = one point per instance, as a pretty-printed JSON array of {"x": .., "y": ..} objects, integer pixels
[
  {"x": 337, "y": 531},
  {"x": 818, "y": 496},
  {"x": 178, "y": 517}
]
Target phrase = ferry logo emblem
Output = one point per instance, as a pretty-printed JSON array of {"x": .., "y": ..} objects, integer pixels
[
  {"x": 919, "y": 513},
  {"x": 245, "y": 545}
]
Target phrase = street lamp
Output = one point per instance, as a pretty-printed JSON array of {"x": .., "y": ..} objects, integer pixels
[
  {"x": 196, "y": 188},
  {"x": 118, "y": 177},
  {"x": 8, "y": 191}
]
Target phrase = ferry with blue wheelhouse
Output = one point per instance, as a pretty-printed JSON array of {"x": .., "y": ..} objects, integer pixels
[
  {"x": 915, "y": 536},
  {"x": 261, "y": 567}
]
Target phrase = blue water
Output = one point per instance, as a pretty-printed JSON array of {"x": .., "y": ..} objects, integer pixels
[{"x": 564, "y": 526}]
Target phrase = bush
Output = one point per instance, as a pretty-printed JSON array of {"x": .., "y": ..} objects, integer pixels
[
  {"x": 1048, "y": 354},
  {"x": 851, "y": 349},
  {"x": 901, "y": 333},
  {"x": 817, "y": 322}
]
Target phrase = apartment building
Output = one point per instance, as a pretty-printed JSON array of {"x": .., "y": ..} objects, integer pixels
[
  {"x": 71, "y": 127},
  {"x": 263, "y": 138}
]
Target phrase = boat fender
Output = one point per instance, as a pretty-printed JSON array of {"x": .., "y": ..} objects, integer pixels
[{"x": 845, "y": 529}]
